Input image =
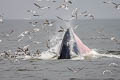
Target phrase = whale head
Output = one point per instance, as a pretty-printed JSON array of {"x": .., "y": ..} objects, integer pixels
[{"x": 71, "y": 46}]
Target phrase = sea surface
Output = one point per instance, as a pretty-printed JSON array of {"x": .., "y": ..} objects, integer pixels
[{"x": 101, "y": 35}]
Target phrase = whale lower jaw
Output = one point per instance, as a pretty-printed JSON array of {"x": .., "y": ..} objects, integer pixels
[
  {"x": 47, "y": 55},
  {"x": 52, "y": 56}
]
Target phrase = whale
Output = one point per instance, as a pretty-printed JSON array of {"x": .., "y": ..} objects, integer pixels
[
  {"x": 67, "y": 46},
  {"x": 71, "y": 45}
]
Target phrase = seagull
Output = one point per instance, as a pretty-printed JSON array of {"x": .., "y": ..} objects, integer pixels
[
  {"x": 90, "y": 15},
  {"x": 82, "y": 13},
  {"x": 1, "y": 18},
  {"x": 76, "y": 27},
  {"x": 0, "y": 40},
  {"x": 35, "y": 30},
  {"x": 59, "y": 18},
  {"x": 37, "y": 53},
  {"x": 45, "y": 7},
  {"x": 117, "y": 6},
  {"x": 65, "y": 6},
  {"x": 33, "y": 23},
  {"x": 108, "y": 2},
  {"x": 70, "y": 2},
  {"x": 6, "y": 54},
  {"x": 54, "y": 1},
  {"x": 36, "y": 15},
  {"x": 24, "y": 49},
  {"x": 51, "y": 0},
  {"x": 32, "y": 11},
  {"x": 75, "y": 13},
  {"x": 47, "y": 44},
  {"x": 115, "y": 39},
  {"x": 49, "y": 23},
  {"x": 36, "y": 42},
  {"x": 27, "y": 33},
  {"x": 37, "y": 5},
  {"x": 62, "y": 19},
  {"x": 86, "y": 14},
  {"x": 7, "y": 34},
  {"x": 61, "y": 29},
  {"x": 107, "y": 72},
  {"x": 48, "y": 0},
  {"x": 67, "y": 1},
  {"x": 39, "y": 0},
  {"x": 41, "y": 7}
]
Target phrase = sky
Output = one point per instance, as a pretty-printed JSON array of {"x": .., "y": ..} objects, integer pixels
[{"x": 17, "y": 9}]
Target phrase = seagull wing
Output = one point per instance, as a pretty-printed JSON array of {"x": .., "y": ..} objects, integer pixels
[{"x": 37, "y": 5}]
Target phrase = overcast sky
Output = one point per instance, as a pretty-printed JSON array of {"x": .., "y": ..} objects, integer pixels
[{"x": 17, "y": 9}]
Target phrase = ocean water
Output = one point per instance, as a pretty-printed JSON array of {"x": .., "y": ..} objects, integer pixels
[{"x": 102, "y": 35}]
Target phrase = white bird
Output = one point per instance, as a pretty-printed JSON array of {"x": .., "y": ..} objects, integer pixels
[
  {"x": 62, "y": 19},
  {"x": 82, "y": 13},
  {"x": 68, "y": 1},
  {"x": 0, "y": 40},
  {"x": 75, "y": 13},
  {"x": 116, "y": 5},
  {"x": 22, "y": 35},
  {"x": 87, "y": 14},
  {"x": 107, "y": 72},
  {"x": 32, "y": 11},
  {"x": 39, "y": 0},
  {"x": 113, "y": 64},
  {"x": 36, "y": 42},
  {"x": 91, "y": 16},
  {"x": 49, "y": 23},
  {"x": 36, "y": 29},
  {"x": 107, "y": 2},
  {"x": 33, "y": 23},
  {"x": 7, "y": 34},
  {"x": 65, "y": 6},
  {"x": 26, "y": 47},
  {"x": 41, "y": 7},
  {"x": 45, "y": 7},
  {"x": 1, "y": 18}
]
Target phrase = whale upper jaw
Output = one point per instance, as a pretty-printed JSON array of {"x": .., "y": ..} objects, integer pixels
[
  {"x": 65, "y": 46},
  {"x": 72, "y": 47}
]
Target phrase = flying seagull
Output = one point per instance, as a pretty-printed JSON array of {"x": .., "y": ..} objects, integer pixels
[
  {"x": 41, "y": 7},
  {"x": 62, "y": 19},
  {"x": 49, "y": 23},
  {"x": 117, "y": 6}
]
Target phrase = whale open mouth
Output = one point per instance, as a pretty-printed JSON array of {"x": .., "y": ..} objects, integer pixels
[{"x": 72, "y": 46}]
